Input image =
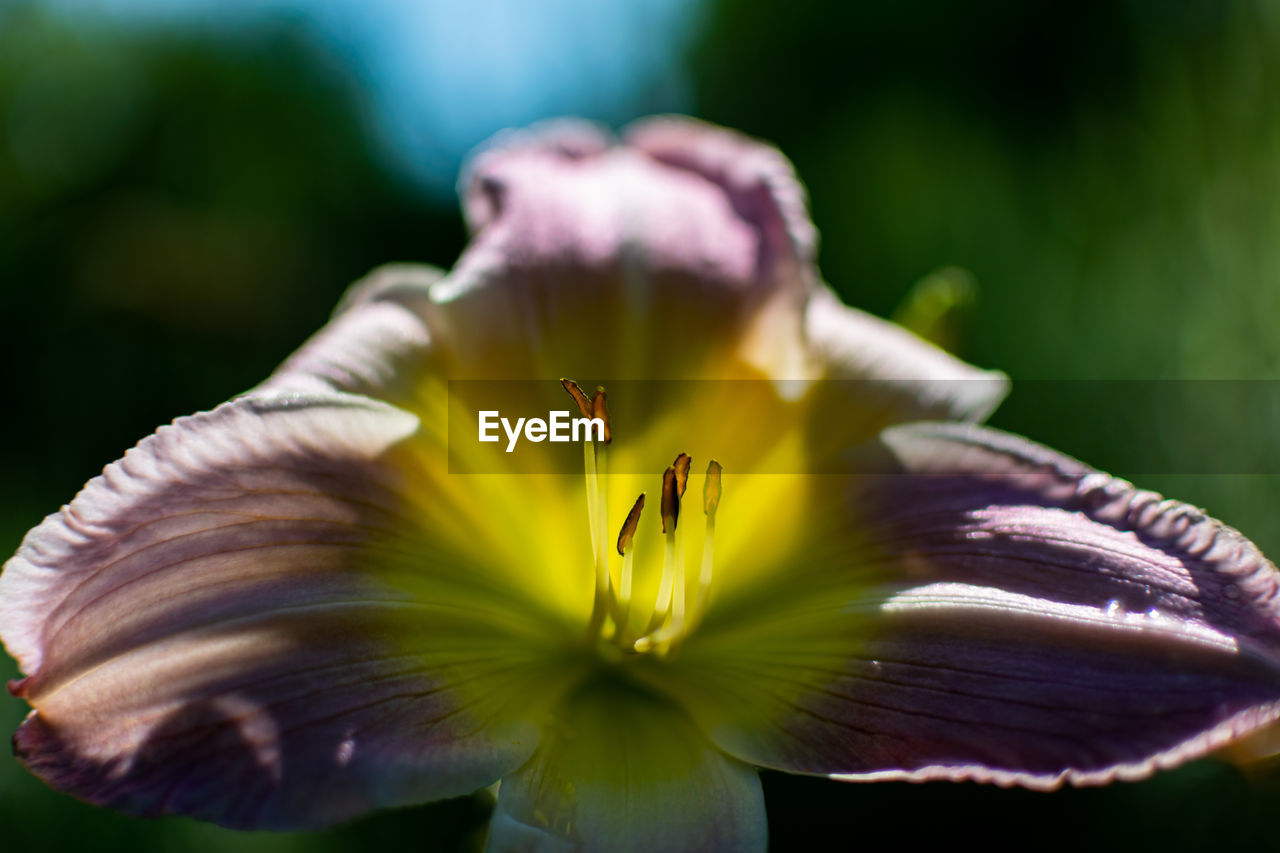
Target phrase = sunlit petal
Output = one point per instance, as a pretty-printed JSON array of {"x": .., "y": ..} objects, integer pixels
[
  {"x": 227, "y": 624},
  {"x": 592, "y": 258},
  {"x": 989, "y": 609},
  {"x": 757, "y": 178}
]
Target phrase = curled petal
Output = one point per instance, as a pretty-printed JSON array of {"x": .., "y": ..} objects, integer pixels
[
  {"x": 683, "y": 252},
  {"x": 569, "y": 140},
  {"x": 583, "y": 248},
  {"x": 907, "y": 377},
  {"x": 376, "y": 344},
  {"x": 622, "y": 770},
  {"x": 757, "y": 178},
  {"x": 978, "y": 607},
  {"x": 214, "y": 627}
]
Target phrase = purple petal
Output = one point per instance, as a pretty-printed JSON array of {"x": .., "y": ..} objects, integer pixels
[
  {"x": 622, "y": 770},
  {"x": 992, "y": 610},
  {"x": 759, "y": 182},
  {"x": 684, "y": 252},
  {"x": 591, "y": 257},
  {"x": 215, "y": 627}
]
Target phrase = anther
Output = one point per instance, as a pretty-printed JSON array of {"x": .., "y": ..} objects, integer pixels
[
  {"x": 628, "y": 532},
  {"x": 627, "y": 548},
  {"x": 579, "y": 396},
  {"x": 711, "y": 489},
  {"x": 601, "y": 411},
  {"x": 674, "y": 479},
  {"x": 681, "y": 467}
]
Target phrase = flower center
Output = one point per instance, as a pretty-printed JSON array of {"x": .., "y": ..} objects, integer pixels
[{"x": 618, "y": 620}]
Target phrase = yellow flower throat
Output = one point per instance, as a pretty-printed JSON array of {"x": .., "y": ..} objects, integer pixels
[{"x": 618, "y": 621}]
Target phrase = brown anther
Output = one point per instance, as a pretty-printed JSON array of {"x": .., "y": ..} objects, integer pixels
[
  {"x": 599, "y": 410},
  {"x": 711, "y": 489},
  {"x": 579, "y": 396},
  {"x": 628, "y": 531},
  {"x": 682, "y": 463},
  {"x": 670, "y": 501}
]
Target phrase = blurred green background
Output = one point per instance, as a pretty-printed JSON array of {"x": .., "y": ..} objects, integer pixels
[{"x": 1075, "y": 192}]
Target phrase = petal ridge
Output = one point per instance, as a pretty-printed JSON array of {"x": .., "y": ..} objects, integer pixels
[
  {"x": 998, "y": 612},
  {"x": 758, "y": 178},
  {"x": 215, "y": 627},
  {"x": 29, "y": 595}
]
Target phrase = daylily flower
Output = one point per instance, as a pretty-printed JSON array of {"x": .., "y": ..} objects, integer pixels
[{"x": 313, "y": 601}]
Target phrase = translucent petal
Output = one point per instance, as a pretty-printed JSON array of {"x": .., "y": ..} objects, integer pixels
[{"x": 622, "y": 770}]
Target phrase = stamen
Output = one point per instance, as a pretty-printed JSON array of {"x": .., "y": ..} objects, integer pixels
[
  {"x": 593, "y": 492},
  {"x": 603, "y": 579},
  {"x": 665, "y": 640},
  {"x": 627, "y": 548},
  {"x": 670, "y": 514},
  {"x": 597, "y": 520},
  {"x": 681, "y": 468},
  {"x": 662, "y": 626},
  {"x": 711, "y": 490},
  {"x": 678, "y": 587},
  {"x": 594, "y": 462},
  {"x": 671, "y": 591},
  {"x": 673, "y": 617}
]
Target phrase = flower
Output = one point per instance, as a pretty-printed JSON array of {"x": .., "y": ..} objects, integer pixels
[{"x": 317, "y": 599}]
